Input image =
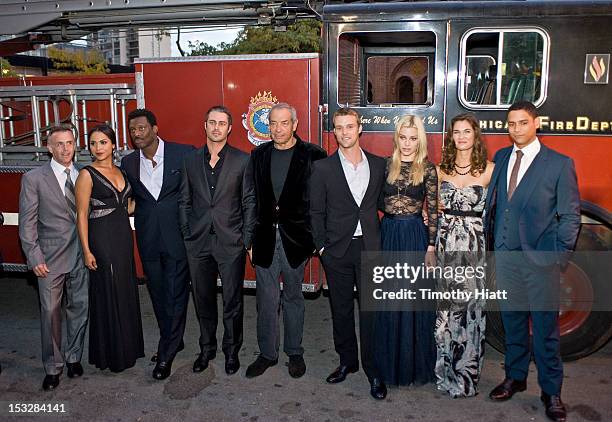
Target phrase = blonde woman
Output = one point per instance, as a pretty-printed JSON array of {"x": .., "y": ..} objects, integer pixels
[
  {"x": 406, "y": 350},
  {"x": 464, "y": 175}
]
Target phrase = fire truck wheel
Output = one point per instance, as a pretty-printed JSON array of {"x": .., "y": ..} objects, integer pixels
[{"x": 584, "y": 328}]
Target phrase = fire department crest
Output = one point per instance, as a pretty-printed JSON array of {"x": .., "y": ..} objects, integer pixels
[{"x": 255, "y": 121}]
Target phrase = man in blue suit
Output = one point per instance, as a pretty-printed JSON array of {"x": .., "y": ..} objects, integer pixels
[
  {"x": 154, "y": 171},
  {"x": 533, "y": 218}
]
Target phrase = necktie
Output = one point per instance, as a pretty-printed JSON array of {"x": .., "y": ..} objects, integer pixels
[
  {"x": 69, "y": 193},
  {"x": 514, "y": 174}
]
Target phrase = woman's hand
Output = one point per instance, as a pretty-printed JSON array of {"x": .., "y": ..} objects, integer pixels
[
  {"x": 430, "y": 257},
  {"x": 90, "y": 261}
]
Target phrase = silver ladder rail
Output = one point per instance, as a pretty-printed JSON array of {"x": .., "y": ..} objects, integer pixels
[{"x": 29, "y": 146}]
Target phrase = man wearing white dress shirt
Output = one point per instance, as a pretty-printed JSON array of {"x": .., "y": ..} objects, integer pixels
[
  {"x": 47, "y": 229},
  {"x": 154, "y": 172},
  {"x": 533, "y": 218}
]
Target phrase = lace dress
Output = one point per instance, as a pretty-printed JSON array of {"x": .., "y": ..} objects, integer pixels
[
  {"x": 460, "y": 324},
  {"x": 115, "y": 330},
  {"x": 406, "y": 348}
]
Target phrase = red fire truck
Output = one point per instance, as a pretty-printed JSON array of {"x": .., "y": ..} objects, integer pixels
[{"x": 433, "y": 59}]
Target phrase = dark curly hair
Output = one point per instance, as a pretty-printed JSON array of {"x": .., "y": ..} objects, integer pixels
[{"x": 479, "y": 151}]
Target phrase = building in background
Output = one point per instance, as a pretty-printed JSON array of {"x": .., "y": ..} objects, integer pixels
[{"x": 122, "y": 46}]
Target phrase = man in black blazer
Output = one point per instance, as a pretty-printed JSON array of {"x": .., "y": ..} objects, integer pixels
[
  {"x": 344, "y": 212},
  {"x": 154, "y": 171},
  {"x": 217, "y": 214},
  {"x": 533, "y": 217},
  {"x": 279, "y": 172}
]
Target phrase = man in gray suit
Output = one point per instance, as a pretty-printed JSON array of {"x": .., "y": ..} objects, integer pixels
[{"x": 47, "y": 229}]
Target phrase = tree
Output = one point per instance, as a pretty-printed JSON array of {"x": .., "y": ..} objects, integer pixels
[
  {"x": 91, "y": 62},
  {"x": 6, "y": 71},
  {"x": 302, "y": 37}
]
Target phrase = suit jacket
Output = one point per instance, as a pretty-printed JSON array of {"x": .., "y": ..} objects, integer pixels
[
  {"x": 47, "y": 228},
  {"x": 546, "y": 200},
  {"x": 231, "y": 211},
  {"x": 157, "y": 220},
  {"x": 334, "y": 211},
  {"x": 290, "y": 212}
]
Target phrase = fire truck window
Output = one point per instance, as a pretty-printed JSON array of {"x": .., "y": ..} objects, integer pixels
[
  {"x": 500, "y": 67},
  {"x": 386, "y": 68}
]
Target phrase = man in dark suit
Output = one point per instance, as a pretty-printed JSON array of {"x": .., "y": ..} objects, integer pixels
[
  {"x": 154, "y": 171},
  {"x": 217, "y": 214},
  {"x": 48, "y": 233},
  {"x": 533, "y": 215},
  {"x": 280, "y": 171},
  {"x": 344, "y": 196}
]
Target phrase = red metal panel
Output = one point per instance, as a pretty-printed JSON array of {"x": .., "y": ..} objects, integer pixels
[{"x": 179, "y": 94}]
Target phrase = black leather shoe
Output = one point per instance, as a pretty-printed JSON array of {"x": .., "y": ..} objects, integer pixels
[
  {"x": 181, "y": 347},
  {"x": 297, "y": 366},
  {"x": 378, "y": 389},
  {"x": 162, "y": 370},
  {"x": 74, "y": 369},
  {"x": 555, "y": 409},
  {"x": 232, "y": 365},
  {"x": 507, "y": 389},
  {"x": 340, "y": 373},
  {"x": 201, "y": 363},
  {"x": 51, "y": 382},
  {"x": 259, "y": 366}
]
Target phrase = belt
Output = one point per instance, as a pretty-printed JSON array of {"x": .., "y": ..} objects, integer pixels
[{"x": 460, "y": 213}]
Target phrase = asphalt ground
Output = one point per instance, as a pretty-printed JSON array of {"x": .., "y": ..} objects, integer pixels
[{"x": 134, "y": 395}]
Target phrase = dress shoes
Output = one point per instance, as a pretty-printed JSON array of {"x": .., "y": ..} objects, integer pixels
[
  {"x": 555, "y": 409},
  {"x": 297, "y": 366},
  {"x": 507, "y": 389},
  {"x": 340, "y": 373},
  {"x": 181, "y": 347},
  {"x": 50, "y": 382},
  {"x": 259, "y": 366},
  {"x": 74, "y": 369},
  {"x": 162, "y": 370},
  {"x": 201, "y": 363},
  {"x": 378, "y": 389},
  {"x": 232, "y": 365}
]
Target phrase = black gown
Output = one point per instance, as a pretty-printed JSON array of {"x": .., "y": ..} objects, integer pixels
[{"x": 115, "y": 327}]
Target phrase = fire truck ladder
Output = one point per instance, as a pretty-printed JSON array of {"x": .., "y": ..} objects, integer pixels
[{"x": 28, "y": 112}]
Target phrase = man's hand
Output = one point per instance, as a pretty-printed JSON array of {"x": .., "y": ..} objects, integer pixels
[{"x": 41, "y": 270}]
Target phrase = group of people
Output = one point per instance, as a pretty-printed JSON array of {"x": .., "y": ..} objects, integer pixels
[{"x": 198, "y": 214}]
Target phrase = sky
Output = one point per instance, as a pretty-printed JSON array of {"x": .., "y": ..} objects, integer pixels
[{"x": 212, "y": 37}]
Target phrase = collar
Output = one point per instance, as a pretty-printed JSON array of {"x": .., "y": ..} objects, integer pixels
[
  {"x": 530, "y": 151},
  {"x": 221, "y": 152},
  {"x": 159, "y": 154},
  {"x": 346, "y": 161},
  {"x": 59, "y": 168}
]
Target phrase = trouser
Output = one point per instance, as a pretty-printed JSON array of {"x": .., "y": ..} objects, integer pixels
[
  {"x": 342, "y": 275},
  {"x": 270, "y": 300},
  {"x": 205, "y": 268},
  {"x": 74, "y": 288},
  {"x": 168, "y": 284},
  {"x": 532, "y": 292}
]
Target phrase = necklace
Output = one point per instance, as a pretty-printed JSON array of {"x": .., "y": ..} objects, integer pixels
[
  {"x": 462, "y": 167},
  {"x": 459, "y": 167}
]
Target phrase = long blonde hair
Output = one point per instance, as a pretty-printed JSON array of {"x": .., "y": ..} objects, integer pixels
[{"x": 417, "y": 170}]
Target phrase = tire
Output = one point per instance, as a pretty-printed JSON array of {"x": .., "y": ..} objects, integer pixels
[{"x": 586, "y": 331}]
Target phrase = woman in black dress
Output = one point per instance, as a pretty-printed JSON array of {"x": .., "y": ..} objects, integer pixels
[
  {"x": 102, "y": 199},
  {"x": 406, "y": 350}
]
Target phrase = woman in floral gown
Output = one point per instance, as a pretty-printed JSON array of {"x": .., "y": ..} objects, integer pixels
[{"x": 463, "y": 175}]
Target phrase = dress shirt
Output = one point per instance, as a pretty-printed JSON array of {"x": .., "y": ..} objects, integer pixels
[
  {"x": 529, "y": 154},
  {"x": 60, "y": 175},
  {"x": 212, "y": 173},
  {"x": 358, "y": 178},
  {"x": 153, "y": 177}
]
